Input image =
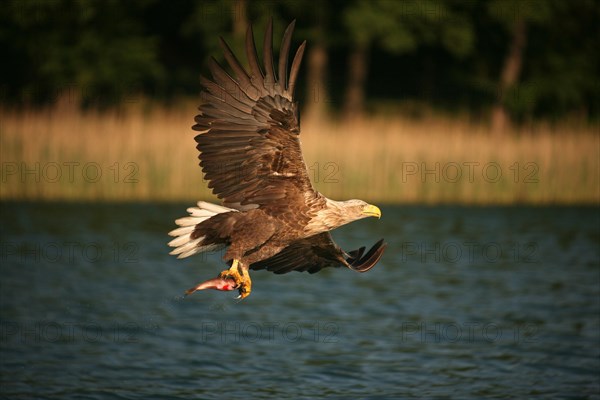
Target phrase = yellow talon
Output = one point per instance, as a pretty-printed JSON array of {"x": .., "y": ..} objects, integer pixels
[{"x": 241, "y": 277}]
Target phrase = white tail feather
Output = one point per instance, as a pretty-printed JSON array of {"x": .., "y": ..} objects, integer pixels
[
  {"x": 181, "y": 231},
  {"x": 184, "y": 245}
]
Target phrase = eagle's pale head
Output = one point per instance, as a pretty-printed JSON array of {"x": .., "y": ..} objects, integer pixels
[
  {"x": 338, "y": 213},
  {"x": 358, "y": 209}
]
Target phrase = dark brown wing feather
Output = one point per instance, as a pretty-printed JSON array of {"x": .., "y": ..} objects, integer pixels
[
  {"x": 249, "y": 149},
  {"x": 317, "y": 252}
]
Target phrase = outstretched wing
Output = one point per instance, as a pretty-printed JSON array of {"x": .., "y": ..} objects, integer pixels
[
  {"x": 249, "y": 149},
  {"x": 317, "y": 252}
]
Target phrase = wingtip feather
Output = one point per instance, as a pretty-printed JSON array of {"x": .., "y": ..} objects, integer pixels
[{"x": 370, "y": 259}]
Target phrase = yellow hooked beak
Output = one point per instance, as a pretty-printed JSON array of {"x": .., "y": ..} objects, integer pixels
[{"x": 371, "y": 211}]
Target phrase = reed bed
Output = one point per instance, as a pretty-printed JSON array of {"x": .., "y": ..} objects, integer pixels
[{"x": 147, "y": 153}]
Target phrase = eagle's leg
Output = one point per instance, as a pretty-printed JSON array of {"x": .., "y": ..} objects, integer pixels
[{"x": 239, "y": 273}]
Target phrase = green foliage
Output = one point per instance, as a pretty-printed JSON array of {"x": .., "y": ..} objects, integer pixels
[
  {"x": 404, "y": 26},
  {"x": 445, "y": 53},
  {"x": 508, "y": 11},
  {"x": 88, "y": 51},
  {"x": 562, "y": 69}
]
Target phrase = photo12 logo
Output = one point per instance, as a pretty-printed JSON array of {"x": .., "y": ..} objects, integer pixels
[
  {"x": 68, "y": 172},
  {"x": 467, "y": 332},
  {"x": 235, "y": 332},
  {"x": 73, "y": 332},
  {"x": 469, "y": 171},
  {"x": 68, "y": 252},
  {"x": 452, "y": 252}
]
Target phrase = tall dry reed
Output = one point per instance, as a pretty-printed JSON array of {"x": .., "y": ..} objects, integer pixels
[{"x": 148, "y": 153}]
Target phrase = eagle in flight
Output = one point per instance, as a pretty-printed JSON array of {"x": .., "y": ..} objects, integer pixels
[{"x": 271, "y": 217}]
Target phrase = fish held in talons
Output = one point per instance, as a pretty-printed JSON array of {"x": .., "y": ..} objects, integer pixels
[
  {"x": 240, "y": 276},
  {"x": 218, "y": 283}
]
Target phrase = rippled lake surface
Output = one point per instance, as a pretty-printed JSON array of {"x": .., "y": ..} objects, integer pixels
[{"x": 466, "y": 303}]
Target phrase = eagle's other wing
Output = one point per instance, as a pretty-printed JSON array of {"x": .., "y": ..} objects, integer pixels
[
  {"x": 317, "y": 252},
  {"x": 249, "y": 149}
]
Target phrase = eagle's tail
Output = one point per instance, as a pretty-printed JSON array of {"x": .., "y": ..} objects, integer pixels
[{"x": 185, "y": 245}]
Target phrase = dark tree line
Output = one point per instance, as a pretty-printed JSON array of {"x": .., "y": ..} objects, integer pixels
[{"x": 511, "y": 60}]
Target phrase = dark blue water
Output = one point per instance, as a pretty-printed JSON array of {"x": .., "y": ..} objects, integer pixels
[{"x": 466, "y": 303}]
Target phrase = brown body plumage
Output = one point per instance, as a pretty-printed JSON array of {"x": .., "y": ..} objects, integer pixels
[{"x": 250, "y": 154}]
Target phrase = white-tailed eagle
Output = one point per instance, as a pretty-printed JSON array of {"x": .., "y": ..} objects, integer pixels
[{"x": 271, "y": 218}]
